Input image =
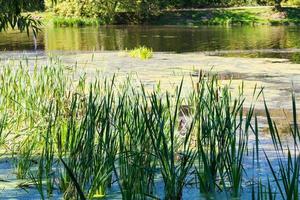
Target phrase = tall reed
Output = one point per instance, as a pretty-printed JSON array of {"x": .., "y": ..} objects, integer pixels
[
  {"x": 286, "y": 173},
  {"x": 89, "y": 139}
]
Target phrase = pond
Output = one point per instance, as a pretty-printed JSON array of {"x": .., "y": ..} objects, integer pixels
[
  {"x": 179, "y": 51},
  {"x": 263, "y": 56},
  {"x": 246, "y": 41}
]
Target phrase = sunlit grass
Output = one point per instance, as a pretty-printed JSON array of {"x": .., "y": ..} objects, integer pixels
[{"x": 231, "y": 16}]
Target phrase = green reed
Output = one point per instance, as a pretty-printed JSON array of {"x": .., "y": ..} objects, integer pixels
[
  {"x": 85, "y": 137},
  {"x": 286, "y": 176},
  {"x": 175, "y": 158},
  {"x": 135, "y": 167}
]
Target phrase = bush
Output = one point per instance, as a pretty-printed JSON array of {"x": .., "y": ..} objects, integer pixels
[
  {"x": 107, "y": 10},
  {"x": 68, "y": 9},
  {"x": 294, "y": 2}
]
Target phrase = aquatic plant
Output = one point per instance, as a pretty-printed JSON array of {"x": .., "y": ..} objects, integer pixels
[
  {"x": 86, "y": 138},
  {"x": 221, "y": 136},
  {"x": 141, "y": 52},
  {"x": 175, "y": 160},
  {"x": 288, "y": 160},
  {"x": 24, "y": 157},
  {"x": 75, "y": 21}
]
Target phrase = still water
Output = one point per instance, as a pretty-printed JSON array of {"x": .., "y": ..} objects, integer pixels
[
  {"x": 261, "y": 41},
  {"x": 276, "y": 75}
]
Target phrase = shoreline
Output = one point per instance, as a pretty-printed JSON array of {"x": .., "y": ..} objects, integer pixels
[{"x": 249, "y": 16}]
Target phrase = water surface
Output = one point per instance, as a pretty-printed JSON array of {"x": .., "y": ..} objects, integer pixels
[
  {"x": 246, "y": 41},
  {"x": 88, "y": 48}
]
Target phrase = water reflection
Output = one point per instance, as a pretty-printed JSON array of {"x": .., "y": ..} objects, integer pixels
[{"x": 177, "y": 39}]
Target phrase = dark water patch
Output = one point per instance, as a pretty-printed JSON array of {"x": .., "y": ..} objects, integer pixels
[
  {"x": 293, "y": 57},
  {"x": 228, "y": 75}
]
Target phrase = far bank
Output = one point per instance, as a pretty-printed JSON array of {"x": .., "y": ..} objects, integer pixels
[{"x": 263, "y": 15}]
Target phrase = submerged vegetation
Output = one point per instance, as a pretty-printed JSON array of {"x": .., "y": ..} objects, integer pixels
[{"x": 100, "y": 138}]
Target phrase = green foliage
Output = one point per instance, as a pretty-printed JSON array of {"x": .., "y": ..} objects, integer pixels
[
  {"x": 232, "y": 16},
  {"x": 142, "y": 52},
  {"x": 75, "y": 21},
  {"x": 82, "y": 137},
  {"x": 108, "y": 10},
  {"x": 213, "y": 3},
  {"x": 11, "y": 16},
  {"x": 288, "y": 160},
  {"x": 294, "y": 2}
]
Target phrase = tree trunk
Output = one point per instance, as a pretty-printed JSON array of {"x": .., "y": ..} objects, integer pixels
[{"x": 278, "y": 4}]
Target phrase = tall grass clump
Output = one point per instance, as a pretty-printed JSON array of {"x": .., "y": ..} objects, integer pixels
[
  {"x": 75, "y": 21},
  {"x": 221, "y": 135},
  {"x": 175, "y": 158},
  {"x": 25, "y": 95},
  {"x": 87, "y": 149},
  {"x": 136, "y": 165},
  {"x": 141, "y": 52},
  {"x": 97, "y": 139},
  {"x": 286, "y": 167}
]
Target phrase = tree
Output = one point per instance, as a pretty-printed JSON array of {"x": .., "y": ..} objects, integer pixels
[
  {"x": 108, "y": 10},
  {"x": 277, "y": 4},
  {"x": 11, "y": 15}
]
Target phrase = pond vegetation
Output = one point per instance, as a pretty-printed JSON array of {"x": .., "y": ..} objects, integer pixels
[
  {"x": 84, "y": 138},
  {"x": 141, "y": 52},
  {"x": 69, "y": 134}
]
